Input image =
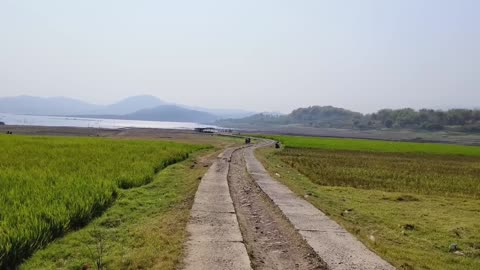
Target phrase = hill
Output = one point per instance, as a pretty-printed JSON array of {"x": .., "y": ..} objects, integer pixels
[
  {"x": 171, "y": 113},
  {"x": 69, "y": 106},
  {"x": 221, "y": 113},
  {"x": 324, "y": 116},
  {"x": 45, "y": 106},
  {"x": 131, "y": 105},
  {"x": 313, "y": 116},
  {"x": 168, "y": 113},
  {"x": 142, "y": 107},
  {"x": 465, "y": 120}
]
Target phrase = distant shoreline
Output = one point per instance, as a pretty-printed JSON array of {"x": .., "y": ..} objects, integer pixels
[
  {"x": 77, "y": 121},
  {"x": 133, "y": 133},
  {"x": 159, "y": 133},
  {"x": 405, "y": 135}
]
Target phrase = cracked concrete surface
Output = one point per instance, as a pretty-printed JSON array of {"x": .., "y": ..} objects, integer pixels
[
  {"x": 215, "y": 240},
  {"x": 272, "y": 242},
  {"x": 337, "y": 247}
]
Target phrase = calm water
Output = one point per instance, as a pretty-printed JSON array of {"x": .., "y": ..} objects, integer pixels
[{"x": 60, "y": 121}]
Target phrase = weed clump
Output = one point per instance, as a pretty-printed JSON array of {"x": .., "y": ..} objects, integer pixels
[{"x": 407, "y": 198}]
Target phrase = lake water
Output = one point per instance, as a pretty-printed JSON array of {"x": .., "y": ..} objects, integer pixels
[{"x": 61, "y": 121}]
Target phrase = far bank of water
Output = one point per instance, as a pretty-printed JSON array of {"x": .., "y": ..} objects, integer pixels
[{"x": 63, "y": 121}]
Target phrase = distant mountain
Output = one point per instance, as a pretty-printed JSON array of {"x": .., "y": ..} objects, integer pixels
[
  {"x": 172, "y": 113},
  {"x": 314, "y": 116},
  {"x": 68, "y": 106},
  {"x": 221, "y": 113},
  {"x": 72, "y": 107},
  {"x": 324, "y": 116},
  {"x": 464, "y": 120},
  {"x": 273, "y": 113},
  {"x": 142, "y": 107},
  {"x": 131, "y": 104},
  {"x": 45, "y": 106},
  {"x": 256, "y": 120}
]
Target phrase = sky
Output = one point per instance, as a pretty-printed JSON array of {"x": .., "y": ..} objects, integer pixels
[{"x": 259, "y": 55}]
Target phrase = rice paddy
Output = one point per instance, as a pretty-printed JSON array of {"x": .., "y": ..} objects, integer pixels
[
  {"x": 409, "y": 202},
  {"x": 376, "y": 145},
  {"x": 49, "y": 185},
  {"x": 396, "y": 172}
]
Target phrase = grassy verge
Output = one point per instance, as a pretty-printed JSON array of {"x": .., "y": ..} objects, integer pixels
[
  {"x": 143, "y": 229},
  {"x": 411, "y": 229}
]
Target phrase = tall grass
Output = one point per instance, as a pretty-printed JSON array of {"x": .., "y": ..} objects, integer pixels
[
  {"x": 399, "y": 172},
  {"x": 49, "y": 185}
]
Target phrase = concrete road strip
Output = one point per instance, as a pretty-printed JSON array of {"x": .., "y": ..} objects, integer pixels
[
  {"x": 337, "y": 247},
  {"x": 215, "y": 240}
]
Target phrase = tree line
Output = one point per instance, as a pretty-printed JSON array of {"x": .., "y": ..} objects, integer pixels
[
  {"x": 333, "y": 117},
  {"x": 428, "y": 119}
]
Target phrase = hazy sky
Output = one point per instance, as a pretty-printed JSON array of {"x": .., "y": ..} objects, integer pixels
[{"x": 252, "y": 54}]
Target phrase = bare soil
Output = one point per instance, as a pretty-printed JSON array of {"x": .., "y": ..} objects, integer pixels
[
  {"x": 271, "y": 241},
  {"x": 186, "y": 136}
]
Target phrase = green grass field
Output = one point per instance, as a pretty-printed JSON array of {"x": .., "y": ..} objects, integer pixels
[
  {"x": 407, "y": 201},
  {"x": 50, "y": 185},
  {"x": 144, "y": 229},
  {"x": 376, "y": 146}
]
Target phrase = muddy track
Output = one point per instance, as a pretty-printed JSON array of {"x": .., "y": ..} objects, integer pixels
[{"x": 271, "y": 241}]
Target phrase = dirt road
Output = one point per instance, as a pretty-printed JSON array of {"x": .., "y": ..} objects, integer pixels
[
  {"x": 244, "y": 219},
  {"x": 271, "y": 241}
]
